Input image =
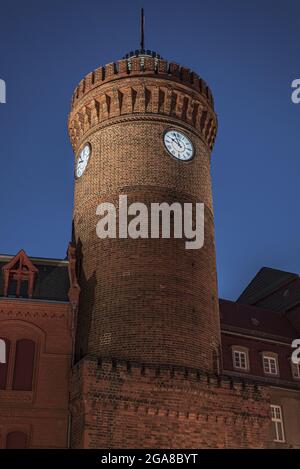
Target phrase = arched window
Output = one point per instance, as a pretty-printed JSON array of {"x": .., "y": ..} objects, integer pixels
[
  {"x": 4, "y": 366},
  {"x": 16, "y": 440},
  {"x": 24, "y": 365}
]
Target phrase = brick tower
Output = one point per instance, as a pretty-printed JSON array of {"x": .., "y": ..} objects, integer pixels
[
  {"x": 150, "y": 301},
  {"x": 148, "y": 338}
]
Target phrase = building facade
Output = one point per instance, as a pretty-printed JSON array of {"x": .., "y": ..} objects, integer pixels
[
  {"x": 36, "y": 323},
  {"x": 125, "y": 343}
]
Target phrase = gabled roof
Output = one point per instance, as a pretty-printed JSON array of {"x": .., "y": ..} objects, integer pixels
[
  {"x": 52, "y": 278},
  {"x": 20, "y": 260},
  {"x": 265, "y": 282},
  {"x": 257, "y": 321},
  {"x": 283, "y": 299}
]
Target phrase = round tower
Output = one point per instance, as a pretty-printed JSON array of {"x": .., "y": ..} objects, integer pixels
[{"x": 144, "y": 127}]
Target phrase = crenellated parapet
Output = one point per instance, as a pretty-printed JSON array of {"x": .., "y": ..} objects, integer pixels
[
  {"x": 162, "y": 88},
  {"x": 208, "y": 410},
  {"x": 106, "y": 367}
]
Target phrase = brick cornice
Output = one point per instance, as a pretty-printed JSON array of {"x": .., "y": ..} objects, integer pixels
[
  {"x": 190, "y": 386},
  {"x": 17, "y": 313},
  {"x": 78, "y": 407},
  {"x": 15, "y": 397},
  {"x": 146, "y": 67},
  {"x": 138, "y": 94},
  {"x": 168, "y": 376}
]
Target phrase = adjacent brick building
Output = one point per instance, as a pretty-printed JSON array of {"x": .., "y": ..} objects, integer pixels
[
  {"x": 37, "y": 327},
  {"x": 121, "y": 344}
]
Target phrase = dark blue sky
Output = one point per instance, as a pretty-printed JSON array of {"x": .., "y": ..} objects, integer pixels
[{"x": 248, "y": 52}]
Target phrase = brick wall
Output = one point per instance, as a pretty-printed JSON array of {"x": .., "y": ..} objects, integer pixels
[
  {"x": 256, "y": 347},
  {"x": 146, "y": 300},
  {"x": 118, "y": 405},
  {"x": 42, "y": 413},
  {"x": 149, "y": 308}
]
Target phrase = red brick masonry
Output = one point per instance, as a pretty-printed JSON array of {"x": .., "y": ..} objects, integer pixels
[{"x": 118, "y": 405}]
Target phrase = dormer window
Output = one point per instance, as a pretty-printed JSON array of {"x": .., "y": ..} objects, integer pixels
[
  {"x": 270, "y": 364},
  {"x": 295, "y": 370},
  {"x": 240, "y": 358},
  {"x": 19, "y": 276}
]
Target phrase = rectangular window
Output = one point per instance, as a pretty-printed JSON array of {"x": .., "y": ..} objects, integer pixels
[
  {"x": 277, "y": 420},
  {"x": 240, "y": 360},
  {"x": 296, "y": 370},
  {"x": 24, "y": 365},
  {"x": 270, "y": 365}
]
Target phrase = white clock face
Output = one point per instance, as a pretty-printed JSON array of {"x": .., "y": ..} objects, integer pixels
[
  {"x": 178, "y": 145},
  {"x": 82, "y": 160}
]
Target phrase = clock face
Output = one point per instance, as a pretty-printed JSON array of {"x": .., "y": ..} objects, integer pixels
[
  {"x": 82, "y": 160},
  {"x": 178, "y": 145}
]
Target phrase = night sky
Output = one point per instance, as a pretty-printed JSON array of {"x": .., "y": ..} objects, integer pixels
[{"x": 248, "y": 52}]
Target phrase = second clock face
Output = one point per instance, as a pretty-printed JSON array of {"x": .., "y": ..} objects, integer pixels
[
  {"x": 178, "y": 145},
  {"x": 82, "y": 161}
]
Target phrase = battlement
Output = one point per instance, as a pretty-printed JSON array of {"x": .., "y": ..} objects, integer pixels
[
  {"x": 121, "y": 404},
  {"x": 142, "y": 65},
  {"x": 93, "y": 104},
  {"x": 105, "y": 368}
]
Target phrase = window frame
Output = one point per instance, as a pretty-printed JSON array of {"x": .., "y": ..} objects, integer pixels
[
  {"x": 268, "y": 362},
  {"x": 270, "y": 357},
  {"x": 241, "y": 351},
  {"x": 278, "y": 421},
  {"x": 19, "y": 382},
  {"x": 294, "y": 367},
  {"x": 11, "y": 362}
]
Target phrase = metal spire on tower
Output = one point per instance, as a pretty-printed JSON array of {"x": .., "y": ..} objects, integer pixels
[
  {"x": 142, "y": 52},
  {"x": 142, "y": 29}
]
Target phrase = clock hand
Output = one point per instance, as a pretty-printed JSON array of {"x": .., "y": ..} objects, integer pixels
[{"x": 178, "y": 143}]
